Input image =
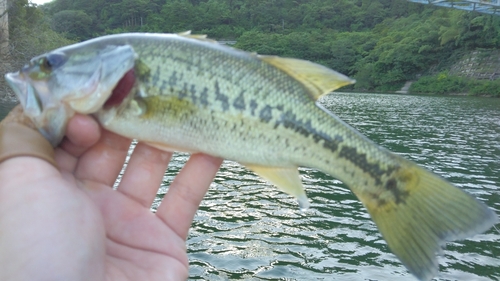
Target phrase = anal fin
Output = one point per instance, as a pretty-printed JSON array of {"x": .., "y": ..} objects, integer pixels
[{"x": 286, "y": 179}]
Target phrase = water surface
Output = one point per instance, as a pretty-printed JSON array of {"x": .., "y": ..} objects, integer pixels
[{"x": 248, "y": 230}]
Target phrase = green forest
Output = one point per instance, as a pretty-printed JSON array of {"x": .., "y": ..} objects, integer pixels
[{"x": 381, "y": 43}]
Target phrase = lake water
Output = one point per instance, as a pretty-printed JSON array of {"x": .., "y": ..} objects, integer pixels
[{"x": 248, "y": 230}]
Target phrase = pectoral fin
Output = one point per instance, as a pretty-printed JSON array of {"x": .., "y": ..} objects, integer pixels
[
  {"x": 286, "y": 179},
  {"x": 169, "y": 148}
]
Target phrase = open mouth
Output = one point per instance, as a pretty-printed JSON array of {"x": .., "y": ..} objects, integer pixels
[{"x": 122, "y": 89}]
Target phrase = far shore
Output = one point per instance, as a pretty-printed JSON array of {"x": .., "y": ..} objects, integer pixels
[{"x": 416, "y": 94}]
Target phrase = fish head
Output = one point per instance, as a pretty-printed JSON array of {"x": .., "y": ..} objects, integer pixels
[{"x": 77, "y": 78}]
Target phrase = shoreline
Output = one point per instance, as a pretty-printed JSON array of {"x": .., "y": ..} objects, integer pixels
[{"x": 418, "y": 94}]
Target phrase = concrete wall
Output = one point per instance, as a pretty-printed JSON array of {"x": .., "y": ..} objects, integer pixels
[
  {"x": 4, "y": 30},
  {"x": 479, "y": 64}
]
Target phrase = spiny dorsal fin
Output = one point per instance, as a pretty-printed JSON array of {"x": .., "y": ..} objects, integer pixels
[
  {"x": 201, "y": 37},
  {"x": 318, "y": 79}
]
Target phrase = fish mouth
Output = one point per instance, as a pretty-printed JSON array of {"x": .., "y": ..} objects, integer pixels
[
  {"x": 82, "y": 84},
  {"x": 48, "y": 121},
  {"x": 25, "y": 92},
  {"x": 121, "y": 90},
  {"x": 30, "y": 95}
]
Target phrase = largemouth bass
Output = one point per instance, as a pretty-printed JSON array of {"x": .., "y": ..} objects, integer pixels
[{"x": 181, "y": 92}]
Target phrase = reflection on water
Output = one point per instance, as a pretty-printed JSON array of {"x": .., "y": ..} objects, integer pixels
[{"x": 248, "y": 230}]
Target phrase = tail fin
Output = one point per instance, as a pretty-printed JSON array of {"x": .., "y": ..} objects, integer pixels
[{"x": 422, "y": 214}]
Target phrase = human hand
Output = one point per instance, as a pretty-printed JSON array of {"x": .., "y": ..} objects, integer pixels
[{"x": 69, "y": 224}]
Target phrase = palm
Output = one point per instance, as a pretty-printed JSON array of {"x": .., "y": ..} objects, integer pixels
[{"x": 138, "y": 245}]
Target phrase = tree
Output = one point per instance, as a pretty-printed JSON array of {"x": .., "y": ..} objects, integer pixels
[
  {"x": 4, "y": 45},
  {"x": 23, "y": 34},
  {"x": 74, "y": 24},
  {"x": 382, "y": 42},
  {"x": 29, "y": 33}
]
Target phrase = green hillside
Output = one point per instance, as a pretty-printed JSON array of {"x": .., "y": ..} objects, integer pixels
[{"x": 382, "y": 44}]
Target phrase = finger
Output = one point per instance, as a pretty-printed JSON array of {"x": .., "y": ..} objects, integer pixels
[
  {"x": 133, "y": 226},
  {"x": 144, "y": 174},
  {"x": 186, "y": 192},
  {"x": 103, "y": 162},
  {"x": 82, "y": 132}
]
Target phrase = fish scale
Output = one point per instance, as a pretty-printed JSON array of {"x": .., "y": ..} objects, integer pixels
[
  {"x": 191, "y": 94},
  {"x": 266, "y": 105}
]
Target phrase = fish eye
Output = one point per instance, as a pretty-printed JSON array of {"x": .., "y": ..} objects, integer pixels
[{"x": 52, "y": 61}]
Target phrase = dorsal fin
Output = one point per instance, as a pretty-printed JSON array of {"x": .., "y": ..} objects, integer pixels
[
  {"x": 201, "y": 37},
  {"x": 318, "y": 79}
]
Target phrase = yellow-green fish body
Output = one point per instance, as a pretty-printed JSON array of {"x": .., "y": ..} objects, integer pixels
[{"x": 187, "y": 93}]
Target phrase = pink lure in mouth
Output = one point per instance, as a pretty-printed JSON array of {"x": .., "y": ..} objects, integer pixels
[{"x": 122, "y": 89}]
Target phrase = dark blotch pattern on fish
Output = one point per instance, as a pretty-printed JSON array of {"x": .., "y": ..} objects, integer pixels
[
  {"x": 253, "y": 106},
  {"x": 266, "y": 114},
  {"x": 239, "y": 102},
  {"x": 376, "y": 197},
  {"x": 332, "y": 145},
  {"x": 192, "y": 91},
  {"x": 290, "y": 121},
  {"x": 391, "y": 186},
  {"x": 155, "y": 77},
  {"x": 184, "y": 92},
  {"x": 172, "y": 80},
  {"x": 360, "y": 160},
  {"x": 399, "y": 195},
  {"x": 221, "y": 97},
  {"x": 204, "y": 96}
]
